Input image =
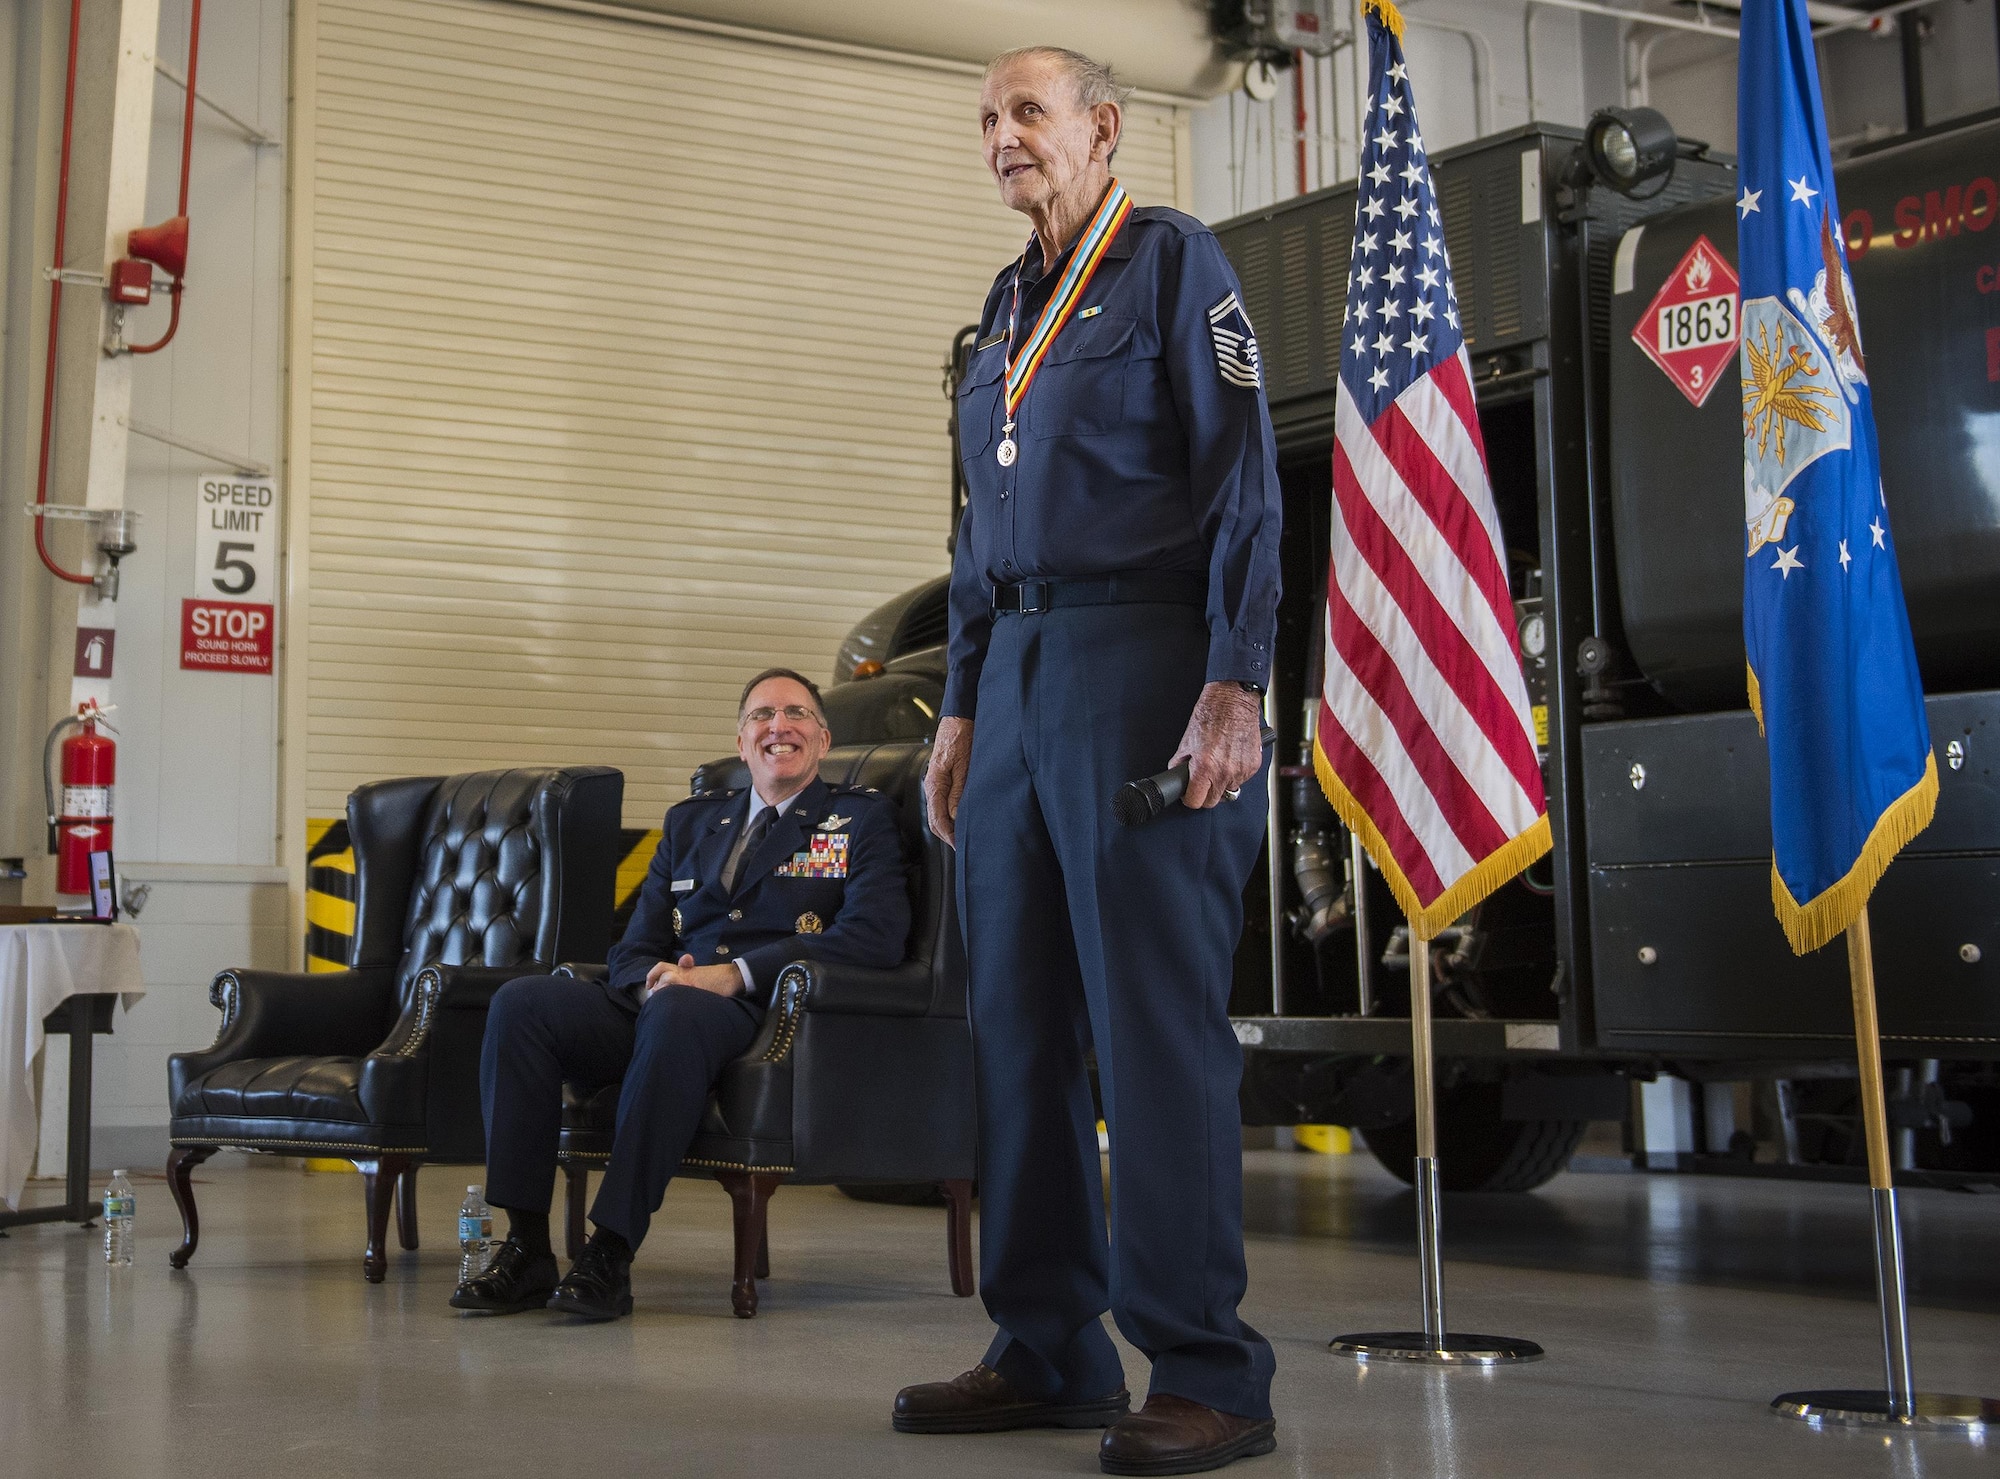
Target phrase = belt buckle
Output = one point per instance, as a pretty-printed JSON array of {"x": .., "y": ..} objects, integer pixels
[{"x": 1034, "y": 596}]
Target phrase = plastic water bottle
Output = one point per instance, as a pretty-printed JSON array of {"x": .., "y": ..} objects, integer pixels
[
  {"x": 119, "y": 1207},
  {"x": 475, "y": 1235}
]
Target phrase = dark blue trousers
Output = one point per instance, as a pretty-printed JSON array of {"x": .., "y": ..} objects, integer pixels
[
  {"x": 1081, "y": 932},
  {"x": 543, "y": 1030}
]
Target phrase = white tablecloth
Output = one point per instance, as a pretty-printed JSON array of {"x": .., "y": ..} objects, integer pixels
[{"x": 42, "y": 966}]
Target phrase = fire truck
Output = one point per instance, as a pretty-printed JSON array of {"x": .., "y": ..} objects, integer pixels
[{"x": 1636, "y": 974}]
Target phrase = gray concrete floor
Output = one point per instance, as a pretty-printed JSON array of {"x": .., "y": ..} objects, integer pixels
[{"x": 1672, "y": 1308}]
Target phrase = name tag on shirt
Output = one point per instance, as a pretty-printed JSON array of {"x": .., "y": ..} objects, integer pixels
[
  {"x": 683, "y": 885},
  {"x": 989, "y": 341}
]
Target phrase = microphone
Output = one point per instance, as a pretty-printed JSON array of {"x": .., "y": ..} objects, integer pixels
[{"x": 1138, "y": 802}]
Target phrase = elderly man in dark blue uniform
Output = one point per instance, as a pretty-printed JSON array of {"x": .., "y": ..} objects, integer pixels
[
  {"x": 743, "y": 884},
  {"x": 1113, "y": 607}
]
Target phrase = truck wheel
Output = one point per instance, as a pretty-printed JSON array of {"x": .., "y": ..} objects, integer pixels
[{"x": 1478, "y": 1150}]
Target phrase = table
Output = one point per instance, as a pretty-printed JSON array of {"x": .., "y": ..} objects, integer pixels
[{"x": 42, "y": 967}]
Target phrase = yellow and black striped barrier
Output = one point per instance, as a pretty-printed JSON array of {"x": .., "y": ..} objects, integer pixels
[
  {"x": 329, "y": 894},
  {"x": 330, "y": 884}
]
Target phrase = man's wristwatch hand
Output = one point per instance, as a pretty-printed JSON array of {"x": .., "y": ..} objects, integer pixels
[{"x": 1248, "y": 687}]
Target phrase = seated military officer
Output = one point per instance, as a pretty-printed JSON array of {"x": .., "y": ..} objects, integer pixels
[{"x": 743, "y": 884}]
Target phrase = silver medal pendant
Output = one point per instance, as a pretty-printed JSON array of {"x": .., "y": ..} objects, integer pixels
[{"x": 1008, "y": 452}]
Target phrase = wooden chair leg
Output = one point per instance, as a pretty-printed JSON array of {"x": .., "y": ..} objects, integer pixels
[
  {"x": 181, "y": 1161},
  {"x": 378, "y": 1190},
  {"x": 958, "y": 1233},
  {"x": 576, "y": 1193},
  {"x": 406, "y": 1209},
  {"x": 749, "y": 1197},
  {"x": 764, "y": 1256}
]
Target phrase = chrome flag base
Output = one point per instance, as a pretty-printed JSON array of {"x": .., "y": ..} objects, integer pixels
[
  {"x": 1454, "y": 1349},
  {"x": 1863, "y": 1409}
]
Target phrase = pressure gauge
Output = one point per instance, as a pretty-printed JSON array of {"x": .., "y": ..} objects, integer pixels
[{"x": 1534, "y": 636}]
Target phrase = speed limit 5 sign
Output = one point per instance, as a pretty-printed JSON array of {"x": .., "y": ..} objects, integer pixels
[
  {"x": 236, "y": 537},
  {"x": 1689, "y": 329}
]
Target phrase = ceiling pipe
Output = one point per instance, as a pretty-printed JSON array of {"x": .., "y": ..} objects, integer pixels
[
  {"x": 55, "y": 311},
  {"x": 1846, "y": 20},
  {"x": 1838, "y": 17}
]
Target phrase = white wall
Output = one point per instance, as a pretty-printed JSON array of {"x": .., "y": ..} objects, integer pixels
[
  {"x": 1469, "y": 67},
  {"x": 197, "y": 802},
  {"x": 197, "y": 756},
  {"x": 1693, "y": 79}
]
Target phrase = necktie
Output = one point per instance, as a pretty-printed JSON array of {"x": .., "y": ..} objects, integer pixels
[{"x": 745, "y": 845}]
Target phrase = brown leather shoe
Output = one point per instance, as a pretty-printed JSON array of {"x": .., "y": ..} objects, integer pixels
[
  {"x": 983, "y": 1401},
  {"x": 1171, "y": 1435}
]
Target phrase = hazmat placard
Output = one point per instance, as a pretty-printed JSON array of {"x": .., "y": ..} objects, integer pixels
[
  {"x": 1689, "y": 329},
  {"x": 226, "y": 636},
  {"x": 236, "y": 536}
]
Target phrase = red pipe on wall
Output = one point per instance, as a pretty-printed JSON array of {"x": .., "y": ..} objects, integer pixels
[
  {"x": 1298, "y": 111},
  {"x": 55, "y": 311},
  {"x": 187, "y": 153}
]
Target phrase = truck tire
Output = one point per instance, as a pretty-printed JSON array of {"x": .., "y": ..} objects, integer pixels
[{"x": 1477, "y": 1149}]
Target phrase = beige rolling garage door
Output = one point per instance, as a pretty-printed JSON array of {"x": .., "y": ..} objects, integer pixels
[{"x": 616, "y": 375}]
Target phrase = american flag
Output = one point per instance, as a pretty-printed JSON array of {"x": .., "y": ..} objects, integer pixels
[{"x": 1424, "y": 742}]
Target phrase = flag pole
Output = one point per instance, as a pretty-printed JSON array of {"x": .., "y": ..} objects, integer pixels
[
  {"x": 1899, "y": 1403},
  {"x": 1434, "y": 1344}
]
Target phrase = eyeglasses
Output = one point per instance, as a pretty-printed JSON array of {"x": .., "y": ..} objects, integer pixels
[{"x": 797, "y": 713}]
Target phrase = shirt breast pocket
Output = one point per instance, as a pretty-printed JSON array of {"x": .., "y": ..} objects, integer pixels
[
  {"x": 1080, "y": 389},
  {"x": 979, "y": 400}
]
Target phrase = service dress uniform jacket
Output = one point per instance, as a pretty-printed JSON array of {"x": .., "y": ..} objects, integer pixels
[
  {"x": 1119, "y": 550},
  {"x": 828, "y": 881}
]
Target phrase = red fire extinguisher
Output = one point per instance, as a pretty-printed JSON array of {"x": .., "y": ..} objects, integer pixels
[{"x": 82, "y": 825}]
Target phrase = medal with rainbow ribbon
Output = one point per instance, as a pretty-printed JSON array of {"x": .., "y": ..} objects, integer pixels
[{"x": 1023, "y": 361}]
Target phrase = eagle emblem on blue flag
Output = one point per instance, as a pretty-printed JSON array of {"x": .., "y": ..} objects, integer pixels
[
  {"x": 1833, "y": 673},
  {"x": 1235, "y": 344},
  {"x": 1793, "y": 413}
]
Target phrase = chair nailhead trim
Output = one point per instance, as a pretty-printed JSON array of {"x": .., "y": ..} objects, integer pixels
[{"x": 305, "y": 1145}]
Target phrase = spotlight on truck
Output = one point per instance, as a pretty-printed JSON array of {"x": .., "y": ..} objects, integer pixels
[{"x": 1627, "y": 147}]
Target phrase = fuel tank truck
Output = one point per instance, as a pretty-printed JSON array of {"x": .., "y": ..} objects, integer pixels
[{"x": 1636, "y": 975}]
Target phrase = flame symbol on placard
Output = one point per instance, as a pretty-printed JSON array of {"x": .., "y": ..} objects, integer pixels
[{"x": 1699, "y": 272}]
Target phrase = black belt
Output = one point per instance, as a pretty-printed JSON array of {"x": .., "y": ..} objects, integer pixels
[{"x": 1170, "y": 587}]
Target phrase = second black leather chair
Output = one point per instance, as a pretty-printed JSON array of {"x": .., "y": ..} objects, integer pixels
[{"x": 858, "y": 1077}]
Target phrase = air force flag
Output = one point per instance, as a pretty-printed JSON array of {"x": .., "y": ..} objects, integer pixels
[{"x": 1833, "y": 673}]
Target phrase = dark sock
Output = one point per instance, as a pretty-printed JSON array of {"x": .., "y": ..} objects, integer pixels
[
  {"x": 612, "y": 1243},
  {"x": 529, "y": 1229}
]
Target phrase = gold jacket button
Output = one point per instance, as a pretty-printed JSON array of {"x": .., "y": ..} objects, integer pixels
[
  {"x": 735, "y": 913},
  {"x": 721, "y": 949}
]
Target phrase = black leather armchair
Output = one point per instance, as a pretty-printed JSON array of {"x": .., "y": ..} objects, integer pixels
[
  {"x": 463, "y": 884},
  {"x": 859, "y": 1076}
]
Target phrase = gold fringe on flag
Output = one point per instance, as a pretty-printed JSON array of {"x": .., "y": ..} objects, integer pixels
[
  {"x": 1427, "y": 919},
  {"x": 1813, "y": 923},
  {"x": 1393, "y": 19},
  {"x": 1756, "y": 696}
]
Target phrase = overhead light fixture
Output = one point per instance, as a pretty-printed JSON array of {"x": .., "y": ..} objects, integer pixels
[{"x": 1627, "y": 147}]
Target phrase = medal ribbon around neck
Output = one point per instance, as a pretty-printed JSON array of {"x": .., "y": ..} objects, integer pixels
[{"x": 1097, "y": 237}]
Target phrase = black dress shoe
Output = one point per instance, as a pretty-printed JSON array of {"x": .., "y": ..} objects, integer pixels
[
  {"x": 515, "y": 1280},
  {"x": 1171, "y": 1435},
  {"x": 983, "y": 1401},
  {"x": 598, "y": 1285}
]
